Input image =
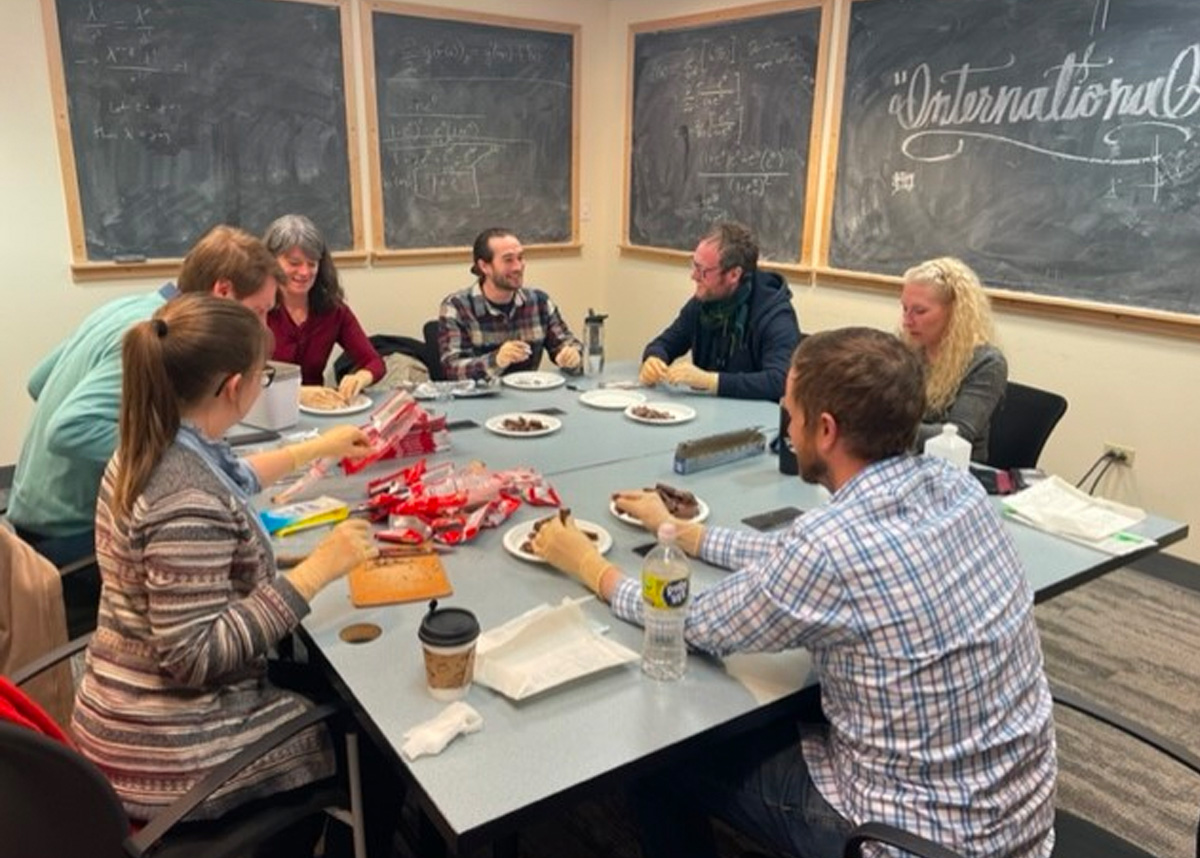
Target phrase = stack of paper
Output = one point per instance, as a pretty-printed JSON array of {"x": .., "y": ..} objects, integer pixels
[{"x": 1055, "y": 506}]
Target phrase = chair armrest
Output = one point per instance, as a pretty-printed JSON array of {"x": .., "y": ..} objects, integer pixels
[
  {"x": 76, "y": 565},
  {"x": 892, "y": 836},
  {"x": 145, "y": 839},
  {"x": 1174, "y": 750},
  {"x": 47, "y": 661}
]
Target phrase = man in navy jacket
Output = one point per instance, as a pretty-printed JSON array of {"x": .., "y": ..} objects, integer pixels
[{"x": 740, "y": 325}]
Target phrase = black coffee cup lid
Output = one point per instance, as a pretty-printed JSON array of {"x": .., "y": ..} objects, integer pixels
[{"x": 448, "y": 626}]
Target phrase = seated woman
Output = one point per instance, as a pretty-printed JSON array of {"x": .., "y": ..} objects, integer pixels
[
  {"x": 311, "y": 315},
  {"x": 176, "y": 674},
  {"x": 947, "y": 317}
]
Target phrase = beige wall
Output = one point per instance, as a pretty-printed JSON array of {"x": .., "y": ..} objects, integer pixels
[{"x": 1131, "y": 389}]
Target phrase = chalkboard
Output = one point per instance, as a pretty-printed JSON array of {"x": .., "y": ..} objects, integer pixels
[
  {"x": 722, "y": 122},
  {"x": 475, "y": 127},
  {"x": 1052, "y": 144},
  {"x": 187, "y": 113}
]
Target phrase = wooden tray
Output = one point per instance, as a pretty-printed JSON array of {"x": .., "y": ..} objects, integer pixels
[{"x": 405, "y": 578}]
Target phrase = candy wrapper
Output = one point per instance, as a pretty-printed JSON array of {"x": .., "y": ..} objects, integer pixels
[{"x": 399, "y": 427}]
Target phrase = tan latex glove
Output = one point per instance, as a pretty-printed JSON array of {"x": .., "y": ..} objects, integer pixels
[
  {"x": 691, "y": 375},
  {"x": 354, "y": 383},
  {"x": 646, "y": 506},
  {"x": 513, "y": 351},
  {"x": 349, "y": 544},
  {"x": 567, "y": 548},
  {"x": 320, "y": 398},
  {"x": 568, "y": 357},
  {"x": 652, "y": 372},
  {"x": 336, "y": 443}
]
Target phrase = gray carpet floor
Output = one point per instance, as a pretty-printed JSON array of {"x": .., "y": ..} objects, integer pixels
[{"x": 1127, "y": 640}]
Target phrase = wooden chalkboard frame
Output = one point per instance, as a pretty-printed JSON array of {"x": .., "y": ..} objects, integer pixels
[
  {"x": 1131, "y": 318},
  {"x": 385, "y": 255},
  {"x": 729, "y": 15},
  {"x": 83, "y": 268}
]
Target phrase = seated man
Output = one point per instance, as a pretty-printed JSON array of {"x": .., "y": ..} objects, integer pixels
[
  {"x": 907, "y": 591},
  {"x": 77, "y": 391},
  {"x": 497, "y": 326},
  {"x": 739, "y": 325}
]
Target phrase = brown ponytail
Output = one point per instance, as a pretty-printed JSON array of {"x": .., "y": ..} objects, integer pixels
[{"x": 171, "y": 362}]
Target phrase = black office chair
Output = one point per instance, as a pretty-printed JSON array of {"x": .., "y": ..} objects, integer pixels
[
  {"x": 433, "y": 351},
  {"x": 1074, "y": 836},
  {"x": 388, "y": 344},
  {"x": 1021, "y": 425},
  {"x": 56, "y": 802}
]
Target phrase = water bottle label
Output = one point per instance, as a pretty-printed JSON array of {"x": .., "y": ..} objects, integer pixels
[{"x": 664, "y": 592}]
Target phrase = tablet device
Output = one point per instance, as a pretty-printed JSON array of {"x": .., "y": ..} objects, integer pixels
[{"x": 772, "y": 519}]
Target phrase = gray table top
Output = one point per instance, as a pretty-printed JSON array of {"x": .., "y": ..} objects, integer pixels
[{"x": 539, "y": 750}]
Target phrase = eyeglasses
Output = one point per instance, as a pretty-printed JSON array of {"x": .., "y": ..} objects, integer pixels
[
  {"x": 268, "y": 376},
  {"x": 701, "y": 271}
]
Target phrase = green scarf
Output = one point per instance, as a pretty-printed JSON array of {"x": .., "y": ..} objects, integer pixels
[{"x": 721, "y": 328}]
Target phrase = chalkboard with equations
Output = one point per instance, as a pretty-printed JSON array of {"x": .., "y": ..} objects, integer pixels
[
  {"x": 475, "y": 127},
  {"x": 722, "y": 128},
  {"x": 187, "y": 113},
  {"x": 1052, "y": 144}
]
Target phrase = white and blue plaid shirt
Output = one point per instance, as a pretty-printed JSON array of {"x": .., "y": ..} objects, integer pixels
[{"x": 911, "y": 598}]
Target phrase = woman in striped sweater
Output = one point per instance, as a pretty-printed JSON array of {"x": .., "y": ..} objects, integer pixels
[{"x": 176, "y": 679}]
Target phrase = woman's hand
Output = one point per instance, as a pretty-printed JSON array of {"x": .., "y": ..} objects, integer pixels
[
  {"x": 321, "y": 398},
  {"x": 354, "y": 383},
  {"x": 349, "y": 544}
]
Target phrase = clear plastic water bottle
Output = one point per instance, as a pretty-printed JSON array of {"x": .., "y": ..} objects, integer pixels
[
  {"x": 666, "y": 582},
  {"x": 950, "y": 446}
]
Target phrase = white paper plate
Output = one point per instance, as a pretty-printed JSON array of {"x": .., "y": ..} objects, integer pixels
[
  {"x": 533, "y": 380},
  {"x": 679, "y": 413},
  {"x": 629, "y": 519},
  {"x": 612, "y": 400},
  {"x": 515, "y": 537},
  {"x": 361, "y": 403},
  {"x": 479, "y": 388},
  {"x": 459, "y": 389},
  {"x": 496, "y": 424}
]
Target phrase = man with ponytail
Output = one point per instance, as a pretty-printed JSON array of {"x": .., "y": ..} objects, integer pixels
[
  {"x": 77, "y": 390},
  {"x": 176, "y": 677}
]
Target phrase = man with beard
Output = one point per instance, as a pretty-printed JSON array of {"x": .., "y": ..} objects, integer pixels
[
  {"x": 908, "y": 593},
  {"x": 497, "y": 326}
]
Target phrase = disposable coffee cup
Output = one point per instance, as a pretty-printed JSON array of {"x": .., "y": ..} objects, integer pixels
[{"x": 448, "y": 638}]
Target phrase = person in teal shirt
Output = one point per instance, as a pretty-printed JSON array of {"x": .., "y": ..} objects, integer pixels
[{"x": 77, "y": 391}]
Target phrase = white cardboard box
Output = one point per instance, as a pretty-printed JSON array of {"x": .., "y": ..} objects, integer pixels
[{"x": 278, "y": 407}]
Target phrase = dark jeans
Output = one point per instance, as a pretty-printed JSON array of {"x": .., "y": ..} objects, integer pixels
[
  {"x": 758, "y": 783},
  {"x": 81, "y": 587}
]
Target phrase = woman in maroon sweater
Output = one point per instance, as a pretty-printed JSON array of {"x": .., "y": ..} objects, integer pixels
[{"x": 311, "y": 315}]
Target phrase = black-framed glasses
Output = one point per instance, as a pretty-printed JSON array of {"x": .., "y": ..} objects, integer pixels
[{"x": 268, "y": 376}]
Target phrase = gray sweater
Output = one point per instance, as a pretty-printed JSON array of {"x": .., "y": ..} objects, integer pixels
[{"x": 971, "y": 409}]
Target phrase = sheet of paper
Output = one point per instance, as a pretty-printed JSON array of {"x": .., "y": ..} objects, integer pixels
[
  {"x": 542, "y": 648},
  {"x": 1058, "y": 507},
  {"x": 770, "y": 675}
]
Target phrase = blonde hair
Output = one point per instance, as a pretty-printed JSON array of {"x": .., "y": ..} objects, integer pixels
[
  {"x": 171, "y": 361},
  {"x": 957, "y": 287}
]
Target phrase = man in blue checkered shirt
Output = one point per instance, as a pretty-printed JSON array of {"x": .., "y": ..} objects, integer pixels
[
  {"x": 498, "y": 326},
  {"x": 908, "y": 593}
]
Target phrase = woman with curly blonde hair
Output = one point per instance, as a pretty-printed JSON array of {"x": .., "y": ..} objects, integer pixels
[{"x": 947, "y": 318}]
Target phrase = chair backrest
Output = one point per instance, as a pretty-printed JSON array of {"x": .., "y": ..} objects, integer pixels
[
  {"x": 55, "y": 801},
  {"x": 1021, "y": 425},
  {"x": 434, "y": 359}
]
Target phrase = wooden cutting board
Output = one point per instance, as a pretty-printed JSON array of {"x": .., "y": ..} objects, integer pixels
[{"x": 407, "y": 578}]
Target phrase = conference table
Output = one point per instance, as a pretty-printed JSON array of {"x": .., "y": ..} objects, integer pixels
[{"x": 536, "y": 755}]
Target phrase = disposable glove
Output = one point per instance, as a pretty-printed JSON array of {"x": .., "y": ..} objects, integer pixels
[
  {"x": 353, "y": 383},
  {"x": 349, "y": 544},
  {"x": 336, "y": 443},
  {"x": 568, "y": 357},
  {"x": 653, "y": 371},
  {"x": 513, "y": 351},
  {"x": 691, "y": 375},
  {"x": 567, "y": 548},
  {"x": 646, "y": 506},
  {"x": 321, "y": 398}
]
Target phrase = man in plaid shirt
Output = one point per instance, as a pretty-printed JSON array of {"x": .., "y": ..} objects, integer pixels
[
  {"x": 908, "y": 593},
  {"x": 497, "y": 326}
]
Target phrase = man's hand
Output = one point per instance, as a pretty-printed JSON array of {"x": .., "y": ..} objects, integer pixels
[
  {"x": 512, "y": 351},
  {"x": 646, "y": 506},
  {"x": 321, "y": 398},
  {"x": 566, "y": 547},
  {"x": 653, "y": 371},
  {"x": 689, "y": 374},
  {"x": 568, "y": 357},
  {"x": 354, "y": 383}
]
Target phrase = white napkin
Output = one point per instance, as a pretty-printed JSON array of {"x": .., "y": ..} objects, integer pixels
[
  {"x": 431, "y": 736},
  {"x": 545, "y": 647}
]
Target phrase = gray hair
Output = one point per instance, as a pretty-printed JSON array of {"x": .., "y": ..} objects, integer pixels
[{"x": 293, "y": 230}]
